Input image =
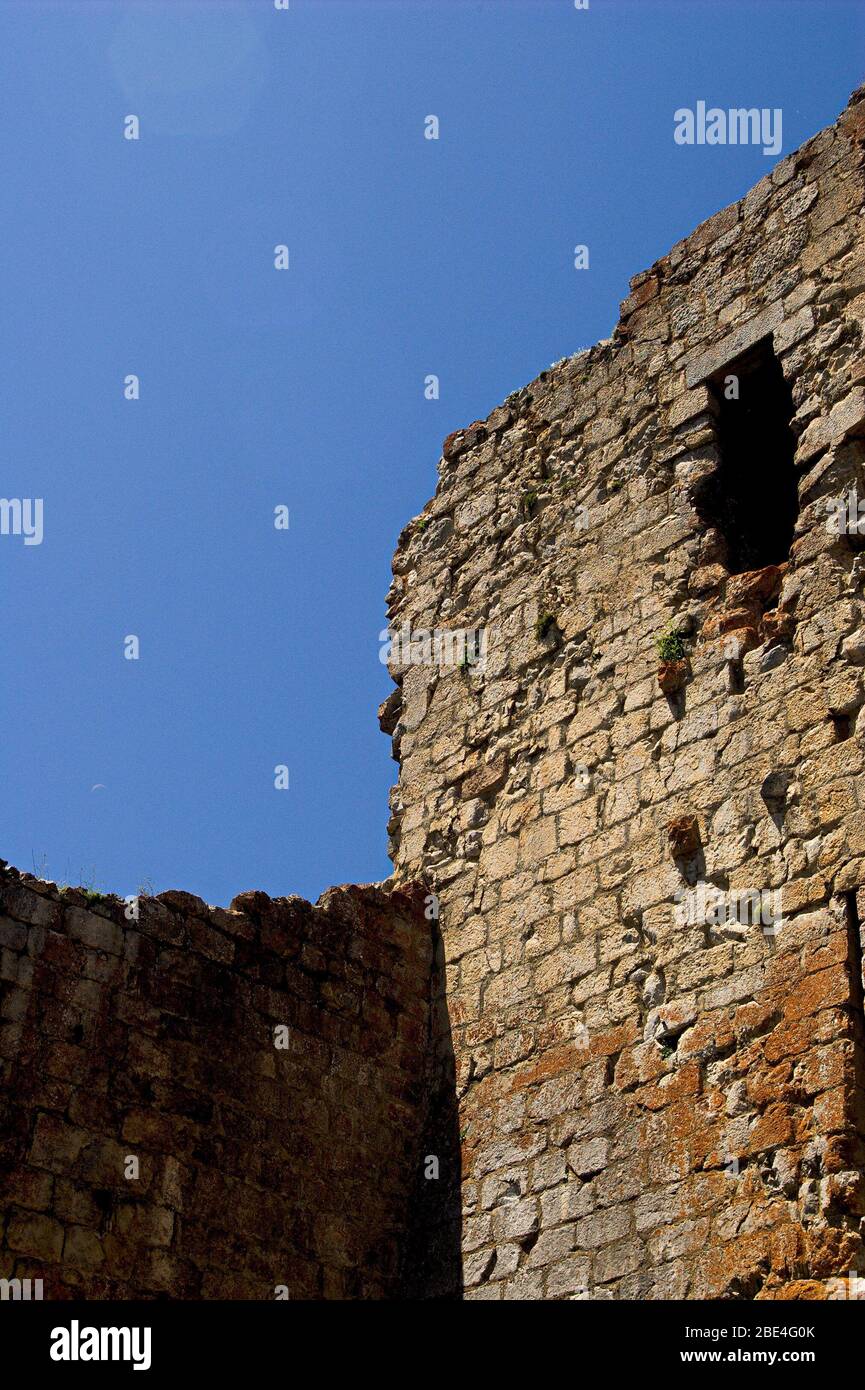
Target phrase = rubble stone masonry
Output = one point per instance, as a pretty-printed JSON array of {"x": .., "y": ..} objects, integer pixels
[
  {"x": 269, "y": 1164},
  {"x": 656, "y": 1099},
  {"x": 627, "y": 1059}
]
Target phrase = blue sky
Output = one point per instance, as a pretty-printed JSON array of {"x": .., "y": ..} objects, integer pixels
[{"x": 304, "y": 387}]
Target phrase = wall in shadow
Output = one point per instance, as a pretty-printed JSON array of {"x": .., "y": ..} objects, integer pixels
[{"x": 433, "y": 1261}]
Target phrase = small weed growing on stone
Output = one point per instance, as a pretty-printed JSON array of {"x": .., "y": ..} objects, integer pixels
[
  {"x": 93, "y": 896},
  {"x": 670, "y": 645},
  {"x": 544, "y": 625}
]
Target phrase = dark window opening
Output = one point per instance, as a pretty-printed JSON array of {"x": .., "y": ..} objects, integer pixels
[{"x": 752, "y": 496}]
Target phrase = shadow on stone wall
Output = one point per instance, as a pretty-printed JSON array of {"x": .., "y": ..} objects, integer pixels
[
  {"x": 433, "y": 1263},
  {"x": 211, "y": 1104}
]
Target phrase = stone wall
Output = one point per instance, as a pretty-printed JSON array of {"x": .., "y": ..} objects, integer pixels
[
  {"x": 642, "y": 1071},
  {"x": 656, "y": 1100},
  {"x": 263, "y": 1159}
]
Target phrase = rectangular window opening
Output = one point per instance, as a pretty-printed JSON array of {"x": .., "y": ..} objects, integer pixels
[{"x": 752, "y": 497}]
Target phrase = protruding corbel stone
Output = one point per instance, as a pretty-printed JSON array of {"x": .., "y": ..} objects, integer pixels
[
  {"x": 389, "y": 711},
  {"x": 672, "y": 675},
  {"x": 683, "y": 834}
]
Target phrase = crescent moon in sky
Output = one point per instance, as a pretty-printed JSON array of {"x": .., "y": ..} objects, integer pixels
[{"x": 98, "y": 787}]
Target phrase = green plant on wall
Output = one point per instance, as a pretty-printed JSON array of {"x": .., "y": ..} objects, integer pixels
[
  {"x": 670, "y": 645},
  {"x": 544, "y": 625},
  {"x": 471, "y": 654},
  {"x": 529, "y": 504}
]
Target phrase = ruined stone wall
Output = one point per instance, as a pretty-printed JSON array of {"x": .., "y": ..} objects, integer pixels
[
  {"x": 654, "y": 1101},
  {"x": 264, "y": 1160},
  {"x": 636, "y": 1088}
]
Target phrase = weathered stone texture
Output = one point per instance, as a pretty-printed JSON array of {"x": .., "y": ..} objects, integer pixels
[
  {"x": 259, "y": 1165},
  {"x": 653, "y": 1103},
  {"x": 659, "y": 1093}
]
